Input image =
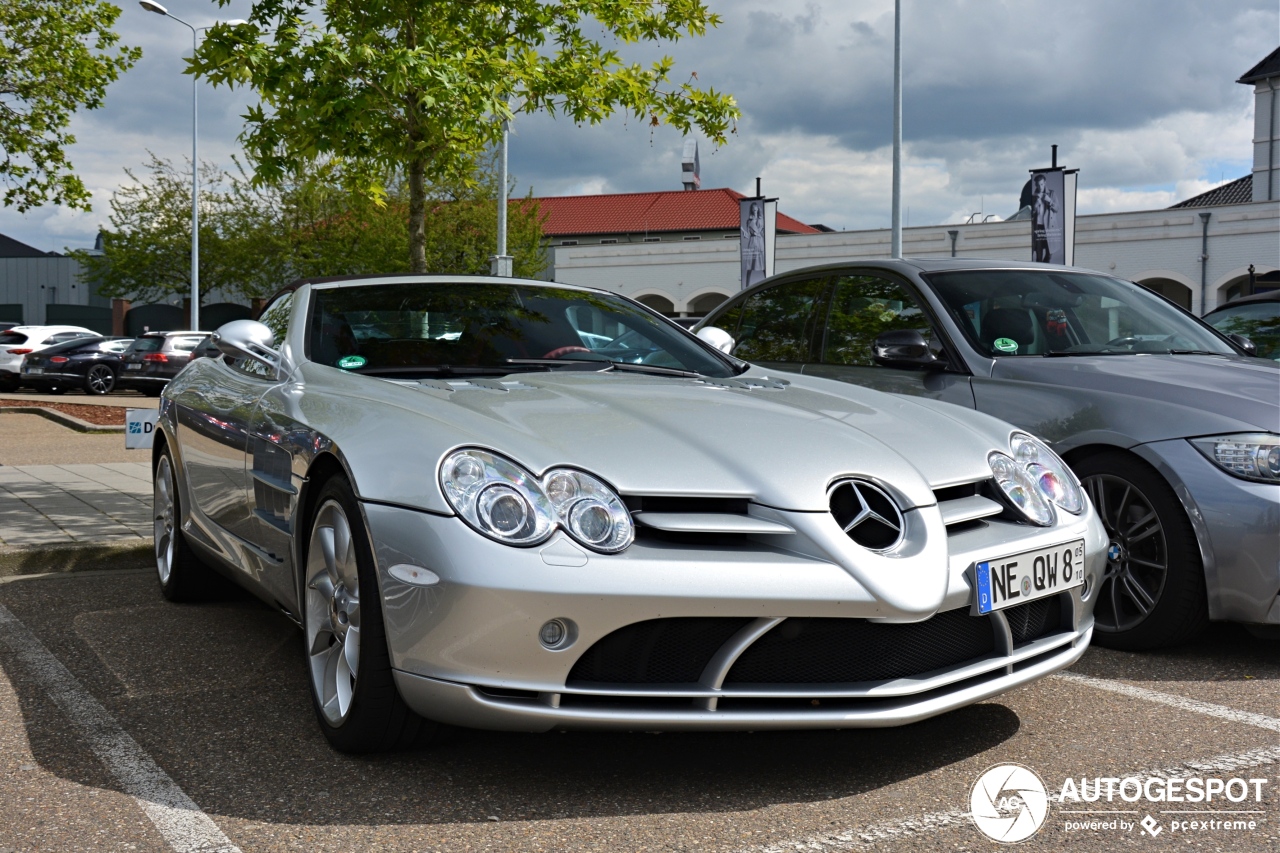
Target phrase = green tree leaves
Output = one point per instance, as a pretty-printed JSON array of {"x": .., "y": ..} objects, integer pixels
[
  {"x": 56, "y": 56},
  {"x": 419, "y": 87}
]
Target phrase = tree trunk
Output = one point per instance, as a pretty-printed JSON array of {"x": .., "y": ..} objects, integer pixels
[{"x": 417, "y": 216}]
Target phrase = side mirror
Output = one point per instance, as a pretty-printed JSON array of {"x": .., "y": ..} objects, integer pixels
[
  {"x": 718, "y": 338},
  {"x": 1249, "y": 347},
  {"x": 247, "y": 339},
  {"x": 903, "y": 348}
]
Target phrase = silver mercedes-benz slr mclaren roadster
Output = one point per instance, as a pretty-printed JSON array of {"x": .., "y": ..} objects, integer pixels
[{"x": 506, "y": 504}]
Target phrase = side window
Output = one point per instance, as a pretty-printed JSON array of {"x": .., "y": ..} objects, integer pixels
[
  {"x": 185, "y": 344},
  {"x": 778, "y": 323},
  {"x": 863, "y": 306},
  {"x": 276, "y": 316}
]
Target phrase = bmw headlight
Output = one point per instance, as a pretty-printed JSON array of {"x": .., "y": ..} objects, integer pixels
[
  {"x": 507, "y": 503},
  {"x": 1251, "y": 456},
  {"x": 497, "y": 497},
  {"x": 1052, "y": 477}
]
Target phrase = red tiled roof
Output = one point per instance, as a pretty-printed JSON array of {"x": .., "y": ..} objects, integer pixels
[{"x": 644, "y": 213}]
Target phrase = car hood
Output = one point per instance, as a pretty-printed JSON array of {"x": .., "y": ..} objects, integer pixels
[
  {"x": 651, "y": 435},
  {"x": 1150, "y": 397}
]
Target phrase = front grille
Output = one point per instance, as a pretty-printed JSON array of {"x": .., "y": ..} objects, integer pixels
[
  {"x": 659, "y": 651},
  {"x": 839, "y": 651},
  {"x": 1034, "y": 620}
]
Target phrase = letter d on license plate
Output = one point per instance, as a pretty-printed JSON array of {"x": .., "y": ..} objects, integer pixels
[{"x": 1019, "y": 578}]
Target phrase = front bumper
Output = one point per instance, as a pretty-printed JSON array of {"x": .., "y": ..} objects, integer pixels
[
  {"x": 466, "y": 649},
  {"x": 1237, "y": 523}
]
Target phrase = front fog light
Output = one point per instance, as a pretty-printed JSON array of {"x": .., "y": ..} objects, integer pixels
[{"x": 556, "y": 634}]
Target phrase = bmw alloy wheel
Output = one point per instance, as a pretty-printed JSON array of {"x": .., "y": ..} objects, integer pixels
[
  {"x": 333, "y": 612},
  {"x": 1137, "y": 554}
]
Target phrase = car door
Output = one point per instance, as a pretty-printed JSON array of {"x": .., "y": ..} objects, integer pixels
[
  {"x": 214, "y": 410},
  {"x": 861, "y": 307},
  {"x": 777, "y": 326}
]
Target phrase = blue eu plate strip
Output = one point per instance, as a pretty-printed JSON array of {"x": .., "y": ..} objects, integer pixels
[{"x": 983, "y": 572}]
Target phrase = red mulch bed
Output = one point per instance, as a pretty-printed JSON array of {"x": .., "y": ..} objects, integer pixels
[{"x": 100, "y": 415}]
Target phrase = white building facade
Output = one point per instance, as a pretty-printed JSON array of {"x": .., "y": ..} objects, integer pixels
[{"x": 1161, "y": 249}]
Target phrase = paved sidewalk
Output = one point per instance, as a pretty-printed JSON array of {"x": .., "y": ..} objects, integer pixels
[{"x": 52, "y": 505}]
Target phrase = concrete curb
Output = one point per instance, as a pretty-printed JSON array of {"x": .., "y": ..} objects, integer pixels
[
  {"x": 64, "y": 419},
  {"x": 62, "y": 559}
]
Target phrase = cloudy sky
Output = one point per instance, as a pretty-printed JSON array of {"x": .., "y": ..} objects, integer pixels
[{"x": 1139, "y": 95}]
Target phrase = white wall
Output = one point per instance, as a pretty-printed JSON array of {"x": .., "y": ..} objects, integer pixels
[{"x": 1137, "y": 246}]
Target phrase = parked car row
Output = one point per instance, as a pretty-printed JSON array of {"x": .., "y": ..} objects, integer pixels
[
  {"x": 55, "y": 359},
  {"x": 517, "y": 505}
]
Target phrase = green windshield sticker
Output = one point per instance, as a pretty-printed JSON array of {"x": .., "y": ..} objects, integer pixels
[
  {"x": 351, "y": 362},
  {"x": 1002, "y": 344}
]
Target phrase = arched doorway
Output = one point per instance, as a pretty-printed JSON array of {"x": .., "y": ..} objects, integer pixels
[
  {"x": 658, "y": 303},
  {"x": 706, "y": 303},
  {"x": 1174, "y": 291}
]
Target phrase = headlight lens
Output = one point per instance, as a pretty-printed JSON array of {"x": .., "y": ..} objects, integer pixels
[
  {"x": 1051, "y": 475},
  {"x": 507, "y": 503},
  {"x": 1020, "y": 487},
  {"x": 497, "y": 497},
  {"x": 1252, "y": 456},
  {"x": 589, "y": 510}
]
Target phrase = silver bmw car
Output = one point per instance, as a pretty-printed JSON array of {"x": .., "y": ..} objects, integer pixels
[{"x": 505, "y": 504}]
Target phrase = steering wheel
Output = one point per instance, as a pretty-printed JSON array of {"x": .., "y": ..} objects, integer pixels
[
  {"x": 559, "y": 351},
  {"x": 1125, "y": 341}
]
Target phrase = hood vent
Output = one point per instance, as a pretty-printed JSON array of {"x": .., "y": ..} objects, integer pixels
[{"x": 867, "y": 514}]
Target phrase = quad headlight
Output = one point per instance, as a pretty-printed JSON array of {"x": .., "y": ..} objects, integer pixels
[
  {"x": 1034, "y": 479},
  {"x": 508, "y": 504},
  {"x": 1252, "y": 456}
]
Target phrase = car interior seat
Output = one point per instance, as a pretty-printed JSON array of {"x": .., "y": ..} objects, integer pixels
[{"x": 1012, "y": 323}]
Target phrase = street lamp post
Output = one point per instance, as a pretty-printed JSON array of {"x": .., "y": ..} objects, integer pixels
[
  {"x": 895, "y": 247},
  {"x": 152, "y": 6}
]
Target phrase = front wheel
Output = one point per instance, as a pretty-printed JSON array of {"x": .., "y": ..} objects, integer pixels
[
  {"x": 182, "y": 576},
  {"x": 352, "y": 688},
  {"x": 1153, "y": 592}
]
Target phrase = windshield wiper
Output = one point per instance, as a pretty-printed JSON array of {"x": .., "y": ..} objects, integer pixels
[
  {"x": 1195, "y": 352},
  {"x": 1077, "y": 353},
  {"x": 606, "y": 364}
]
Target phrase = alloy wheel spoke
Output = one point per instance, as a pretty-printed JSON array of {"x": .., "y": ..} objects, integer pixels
[
  {"x": 1138, "y": 595},
  {"x": 351, "y": 651},
  {"x": 1150, "y": 564},
  {"x": 1124, "y": 502},
  {"x": 1150, "y": 526},
  {"x": 1115, "y": 603}
]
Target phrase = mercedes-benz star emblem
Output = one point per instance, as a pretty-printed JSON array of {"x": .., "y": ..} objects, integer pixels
[{"x": 867, "y": 514}]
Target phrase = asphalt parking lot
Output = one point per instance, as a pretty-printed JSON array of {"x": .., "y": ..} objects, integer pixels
[{"x": 128, "y": 723}]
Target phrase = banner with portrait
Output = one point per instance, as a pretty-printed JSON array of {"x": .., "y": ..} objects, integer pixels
[
  {"x": 758, "y": 227},
  {"x": 1053, "y": 216}
]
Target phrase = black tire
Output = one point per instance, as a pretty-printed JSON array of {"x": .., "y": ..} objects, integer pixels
[
  {"x": 99, "y": 380},
  {"x": 152, "y": 391},
  {"x": 375, "y": 717},
  {"x": 182, "y": 575},
  {"x": 1153, "y": 592}
]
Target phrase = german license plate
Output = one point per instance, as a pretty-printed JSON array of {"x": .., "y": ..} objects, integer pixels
[
  {"x": 133, "y": 367},
  {"x": 32, "y": 371},
  {"x": 1019, "y": 578}
]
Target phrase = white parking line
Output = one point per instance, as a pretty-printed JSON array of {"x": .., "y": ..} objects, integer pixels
[
  {"x": 1180, "y": 702},
  {"x": 852, "y": 839},
  {"x": 179, "y": 820}
]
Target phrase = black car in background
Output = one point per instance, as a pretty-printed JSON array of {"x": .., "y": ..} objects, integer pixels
[
  {"x": 156, "y": 357},
  {"x": 1255, "y": 317},
  {"x": 89, "y": 363}
]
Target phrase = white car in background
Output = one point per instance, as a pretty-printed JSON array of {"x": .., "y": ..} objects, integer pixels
[{"x": 17, "y": 342}]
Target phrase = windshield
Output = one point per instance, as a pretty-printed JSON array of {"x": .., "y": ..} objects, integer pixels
[
  {"x": 1044, "y": 313},
  {"x": 147, "y": 343},
  {"x": 1257, "y": 321},
  {"x": 462, "y": 327},
  {"x": 73, "y": 346}
]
